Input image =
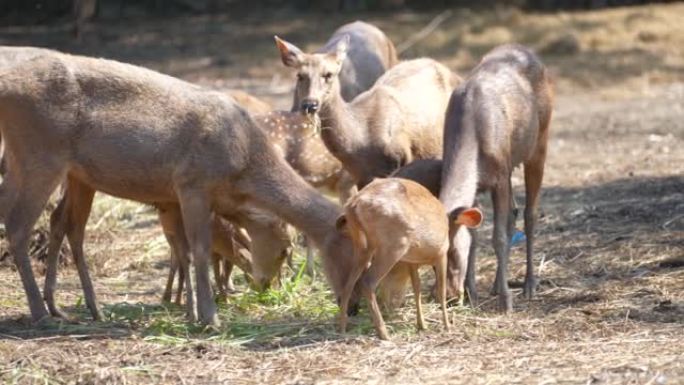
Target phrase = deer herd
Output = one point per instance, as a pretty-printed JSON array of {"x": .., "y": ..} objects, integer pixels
[{"x": 405, "y": 145}]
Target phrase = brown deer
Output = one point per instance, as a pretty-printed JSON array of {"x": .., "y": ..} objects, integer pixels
[
  {"x": 428, "y": 173},
  {"x": 497, "y": 119},
  {"x": 397, "y": 220},
  {"x": 71, "y": 214},
  {"x": 230, "y": 247},
  {"x": 370, "y": 54},
  {"x": 399, "y": 119},
  {"x": 68, "y": 115},
  {"x": 12, "y": 56}
]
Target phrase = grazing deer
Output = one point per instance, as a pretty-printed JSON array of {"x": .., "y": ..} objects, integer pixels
[
  {"x": 497, "y": 119},
  {"x": 371, "y": 53},
  {"x": 397, "y": 220},
  {"x": 428, "y": 172},
  {"x": 399, "y": 119},
  {"x": 229, "y": 247},
  {"x": 68, "y": 115},
  {"x": 295, "y": 136},
  {"x": 71, "y": 215}
]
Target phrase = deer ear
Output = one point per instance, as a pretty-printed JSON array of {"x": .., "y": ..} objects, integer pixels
[
  {"x": 342, "y": 48},
  {"x": 289, "y": 53},
  {"x": 471, "y": 218},
  {"x": 341, "y": 223}
]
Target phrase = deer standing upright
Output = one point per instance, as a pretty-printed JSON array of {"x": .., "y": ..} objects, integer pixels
[
  {"x": 497, "y": 119},
  {"x": 399, "y": 119}
]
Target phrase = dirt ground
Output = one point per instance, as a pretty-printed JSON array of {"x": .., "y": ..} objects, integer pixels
[{"x": 610, "y": 245}]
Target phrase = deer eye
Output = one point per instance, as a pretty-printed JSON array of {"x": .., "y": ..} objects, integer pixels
[{"x": 327, "y": 76}]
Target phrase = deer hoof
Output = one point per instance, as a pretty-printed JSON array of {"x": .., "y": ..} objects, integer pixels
[
  {"x": 505, "y": 303},
  {"x": 530, "y": 287}
]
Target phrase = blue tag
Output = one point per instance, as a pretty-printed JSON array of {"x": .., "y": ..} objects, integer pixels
[{"x": 517, "y": 237}]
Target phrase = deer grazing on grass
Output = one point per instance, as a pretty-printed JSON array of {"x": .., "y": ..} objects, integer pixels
[
  {"x": 295, "y": 136},
  {"x": 397, "y": 220},
  {"x": 399, "y": 119},
  {"x": 67, "y": 115},
  {"x": 71, "y": 214},
  {"x": 229, "y": 247},
  {"x": 497, "y": 119}
]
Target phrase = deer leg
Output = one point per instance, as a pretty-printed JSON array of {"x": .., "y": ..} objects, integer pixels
[
  {"x": 173, "y": 267},
  {"x": 501, "y": 241},
  {"x": 310, "y": 271},
  {"x": 184, "y": 274},
  {"x": 172, "y": 226},
  {"x": 58, "y": 224},
  {"x": 370, "y": 279},
  {"x": 510, "y": 228},
  {"x": 440, "y": 275},
  {"x": 30, "y": 199},
  {"x": 534, "y": 173},
  {"x": 415, "y": 283},
  {"x": 219, "y": 274},
  {"x": 80, "y": 203},
  {"x": 228, "y": 276},
  {"x": 196, "y": 216}
]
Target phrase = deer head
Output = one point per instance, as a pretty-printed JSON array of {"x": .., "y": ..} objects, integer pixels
[{"x": 317, "y": 74}]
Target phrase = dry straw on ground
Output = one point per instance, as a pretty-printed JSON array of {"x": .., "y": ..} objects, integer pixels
[{"x": 610, "y": 248}]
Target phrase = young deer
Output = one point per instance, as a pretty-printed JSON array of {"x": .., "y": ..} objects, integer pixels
[
  {"x": 371, "y": 53},
  {"x": 497, "y": 119},
  {"x": 397, "y": 220},
  {"x": 428, "y": 172},
  {"x": 229, "y": 247},
  {"x": 399, "y": 119},
  {"x": 68, "y": 115}
]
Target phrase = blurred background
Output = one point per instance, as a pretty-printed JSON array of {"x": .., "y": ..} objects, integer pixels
[{"x": 594, "y": 44}]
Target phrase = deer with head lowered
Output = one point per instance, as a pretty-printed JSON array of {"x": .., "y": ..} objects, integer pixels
[
  {"x": 399, "y": 119},
  {"x": 396, "y": 220},
  {"x": 67, "y": 115},
  {"x": 497, "y": 119},
  {"x": 262, "y": 262}
]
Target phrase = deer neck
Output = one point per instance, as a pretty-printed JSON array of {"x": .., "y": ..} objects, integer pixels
[
  {"x": 460, "y": 172},
  {"x": 275, "y": 186},
  {"x": 342, "y": 129}
]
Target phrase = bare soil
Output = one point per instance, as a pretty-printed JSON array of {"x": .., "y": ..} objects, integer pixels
[{"x": 610, "y": 245}]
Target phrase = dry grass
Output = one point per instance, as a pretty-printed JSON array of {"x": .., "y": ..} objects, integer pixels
[{"x": 610, "y": 249}]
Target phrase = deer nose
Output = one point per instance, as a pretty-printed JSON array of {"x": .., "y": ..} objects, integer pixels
[{"x": 310, "y": 106}]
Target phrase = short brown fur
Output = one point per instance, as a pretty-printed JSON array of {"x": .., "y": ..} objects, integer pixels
[
  {"x": 497, "y": 119},
  {"x": 390, "y": 221},
  {"x": 68, "y": 115}
]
